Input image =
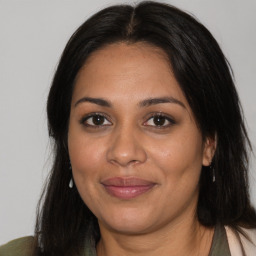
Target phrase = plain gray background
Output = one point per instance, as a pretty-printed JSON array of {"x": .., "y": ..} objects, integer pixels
[{"x": 32, "y": 37}]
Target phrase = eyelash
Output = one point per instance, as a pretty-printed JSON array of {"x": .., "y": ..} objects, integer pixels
[
  {"x": 165, "y": 118},
  {"x": 84, "y": 120},
  {"x": 91, "y": 115}
]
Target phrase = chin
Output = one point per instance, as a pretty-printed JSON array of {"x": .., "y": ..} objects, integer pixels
[{"x": 127, "y": 221}]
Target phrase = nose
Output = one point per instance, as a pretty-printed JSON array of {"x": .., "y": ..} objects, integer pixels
[{"x": 126, "y": 148}]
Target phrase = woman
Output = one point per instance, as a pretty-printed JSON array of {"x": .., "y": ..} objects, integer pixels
[{"x": 150, "y": 144}]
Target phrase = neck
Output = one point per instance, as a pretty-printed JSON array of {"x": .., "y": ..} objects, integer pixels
[{"x": 187, "y": 237}]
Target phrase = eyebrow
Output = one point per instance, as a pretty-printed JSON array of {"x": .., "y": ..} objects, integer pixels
[
  {"x": 97, "y": 101},
  {"x": 155, "y": 101},
  {"x": 144, "y": 103}
]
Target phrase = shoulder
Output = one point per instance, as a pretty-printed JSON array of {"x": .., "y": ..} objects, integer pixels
[
  {"x": 238, "y": 241},
  {"x": 18, "y": 247}
]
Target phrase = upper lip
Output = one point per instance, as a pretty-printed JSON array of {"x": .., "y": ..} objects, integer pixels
[{"x": 126, "y": 182}]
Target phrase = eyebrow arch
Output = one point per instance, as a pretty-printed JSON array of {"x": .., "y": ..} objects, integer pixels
[
  {"x": 97, "y": 101},
  {"x": 154, "y": 101}
]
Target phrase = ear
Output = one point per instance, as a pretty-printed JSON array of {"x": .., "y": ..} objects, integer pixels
[{"x": 210, "y": 144}]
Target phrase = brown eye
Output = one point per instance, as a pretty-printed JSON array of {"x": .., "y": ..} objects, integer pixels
[
  {"x": 98, "y": 120},
  {"x": 160, "y": 121},
  {"x": 95, "y": 120}
]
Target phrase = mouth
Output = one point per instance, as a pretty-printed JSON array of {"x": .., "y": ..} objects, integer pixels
[{"x": 127, "y": 188}]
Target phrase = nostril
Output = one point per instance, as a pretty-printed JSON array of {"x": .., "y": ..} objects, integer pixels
[
  {"x": 134, "y": 161},
  {"x": 123, "y": 162}
]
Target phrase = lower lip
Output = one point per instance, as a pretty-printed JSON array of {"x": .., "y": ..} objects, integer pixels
[{"x": 128, "y": 192}]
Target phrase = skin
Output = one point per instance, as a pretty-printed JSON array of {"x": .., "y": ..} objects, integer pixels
[{"x": 128, "y": 143}]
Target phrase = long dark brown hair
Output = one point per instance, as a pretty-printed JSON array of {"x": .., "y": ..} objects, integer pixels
[{"x": 64, "y": 223}]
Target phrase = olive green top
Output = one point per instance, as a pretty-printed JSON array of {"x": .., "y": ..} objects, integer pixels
[
  {"x": 22, "y": 246},
  {"x": 18, "y": 247},
  {"x": 220, "y": 243}
]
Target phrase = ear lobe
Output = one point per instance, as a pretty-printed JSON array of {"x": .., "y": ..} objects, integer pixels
[{"x": 209, "y": 150}]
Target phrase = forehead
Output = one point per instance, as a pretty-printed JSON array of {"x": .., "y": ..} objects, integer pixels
[
  {"x": 121, "y": 71},
  {"x": 128, "y": 50}
]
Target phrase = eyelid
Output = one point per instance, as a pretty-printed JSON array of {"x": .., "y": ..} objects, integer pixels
[
  {"x": 170, "y": 119},
  {"x": 90, "y": 115}
]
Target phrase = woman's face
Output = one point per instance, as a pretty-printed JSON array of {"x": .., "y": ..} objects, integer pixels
[{"x": 135, "y": 148}]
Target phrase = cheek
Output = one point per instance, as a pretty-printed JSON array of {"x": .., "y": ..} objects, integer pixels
[
  {"x": 179, "y": 155},
  {"x": 180, "y": 162},
  {"x": 86, "y": 160},
  {"x": 84, "y": 153}
]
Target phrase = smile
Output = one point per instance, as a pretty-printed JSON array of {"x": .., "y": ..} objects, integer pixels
[{"x": 127, "y": 188}]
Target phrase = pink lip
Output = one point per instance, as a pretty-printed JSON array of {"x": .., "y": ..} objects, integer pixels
[{"x": 127, "y": 188}]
